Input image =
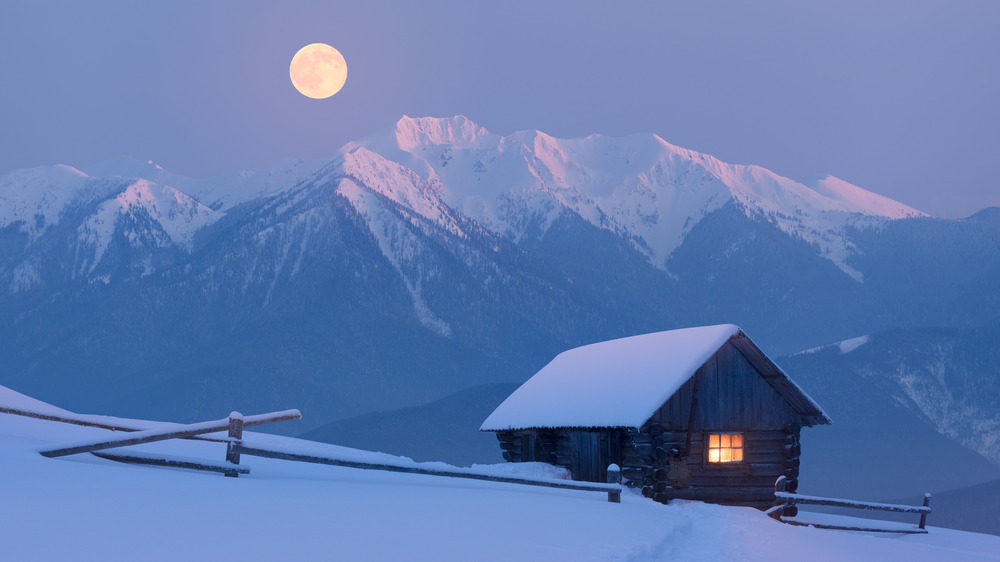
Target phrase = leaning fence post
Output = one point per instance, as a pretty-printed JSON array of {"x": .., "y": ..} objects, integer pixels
[
  {"x": 614, "y": 477},
  {"x": 923, "y": 516},
  {"x": 235, "y": 433}
]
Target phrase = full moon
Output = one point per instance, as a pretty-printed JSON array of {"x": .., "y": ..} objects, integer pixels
[{"x": 318, "y": 71}]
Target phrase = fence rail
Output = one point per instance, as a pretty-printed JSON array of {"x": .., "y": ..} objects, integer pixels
[
  {"x": 173, "y": 462},
  {"x": 152, "y": 435},
  {"x": 103, "y": 422},
  {"x": 235, "y": 447},
  {"x": 613, "y": 488},
  {"x": 785, "y": 500}
]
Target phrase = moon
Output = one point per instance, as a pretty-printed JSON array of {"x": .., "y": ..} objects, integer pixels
[{"x": 318, "y": 71}]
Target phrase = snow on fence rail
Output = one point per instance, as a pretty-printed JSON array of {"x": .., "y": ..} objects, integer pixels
[
  {"x": 132, "y": 457},
  {"x": 103, "y": 422},
  {"x": 236, "y": 448},
  {"x": 612, "y": 488},
  {"x": 785, "y": 499},
  {"x": 162, "y": 434}
]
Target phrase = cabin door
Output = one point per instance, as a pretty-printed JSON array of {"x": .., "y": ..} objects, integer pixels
[{"x": 589, "y": 460}]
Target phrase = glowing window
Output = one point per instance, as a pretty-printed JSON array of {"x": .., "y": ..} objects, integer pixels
[{"x": 725, "y": 447}]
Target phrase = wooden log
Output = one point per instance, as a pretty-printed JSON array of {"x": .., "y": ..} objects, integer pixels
[
  {"x": 871, "y": 529},
  {"x": 644, "y": 440},
  {"x": 633, "y": 473},
  {"x": 615, "y": 477},
  {"x": 923, "y": 516},
  {"x": 236, "y": 434},
  {"x": 638, "y": 461},
  {"x": 172, "y": 462},
  {"x": 117, "y": 425},
  {"x": 263, "y": 419},
  {"x": 152, "y": 435},
  {"x": 857, "y": 504},
  {"x": 245, "y": 449},
  {"x": 759, "y": 497},
  {"x": 735, "y": 480}
]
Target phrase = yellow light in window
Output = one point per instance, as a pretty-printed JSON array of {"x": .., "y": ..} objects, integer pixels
[{"x": 725, "y": 447}]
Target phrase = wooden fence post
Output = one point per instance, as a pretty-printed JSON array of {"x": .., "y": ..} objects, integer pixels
[
  {"x": 614, "y": 477},
  {"x": 923, "y": 516},
  {"x": 779, "y": 486},
  {"x": 235, "y": 433}
]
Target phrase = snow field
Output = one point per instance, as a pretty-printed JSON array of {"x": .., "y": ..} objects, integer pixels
[{"x": 85, "y": 508}]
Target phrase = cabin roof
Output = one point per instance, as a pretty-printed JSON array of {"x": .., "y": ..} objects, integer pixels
[{"x": 622, "y": 382}]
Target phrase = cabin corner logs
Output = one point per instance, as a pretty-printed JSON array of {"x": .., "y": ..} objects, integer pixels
[{"x": 738, "y": 395}]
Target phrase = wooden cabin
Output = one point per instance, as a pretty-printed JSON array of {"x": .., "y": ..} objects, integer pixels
[{"x": 698, "y": 413}]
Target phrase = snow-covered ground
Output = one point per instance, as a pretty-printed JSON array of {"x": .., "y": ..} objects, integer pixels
[{"x": 81, "y": 507}]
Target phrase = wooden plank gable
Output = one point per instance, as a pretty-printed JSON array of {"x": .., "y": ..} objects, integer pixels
[{"x": 732, "y": 394}]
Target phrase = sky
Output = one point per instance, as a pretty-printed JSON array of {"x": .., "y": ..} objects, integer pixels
[{"x": 898, "y": 97}]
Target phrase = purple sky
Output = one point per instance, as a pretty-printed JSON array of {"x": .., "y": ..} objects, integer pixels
[{"x": 901, "y": 98}]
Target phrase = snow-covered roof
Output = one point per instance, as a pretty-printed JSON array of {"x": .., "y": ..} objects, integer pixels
[{"x": 621, "y": 383}]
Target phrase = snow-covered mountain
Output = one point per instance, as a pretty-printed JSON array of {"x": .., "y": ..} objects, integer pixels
[
  {"x": 435, "y": 256},
  {"x": 639, "y": 187}
]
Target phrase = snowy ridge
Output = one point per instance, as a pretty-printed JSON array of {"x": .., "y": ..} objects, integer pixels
[
  {"x": 445, "y": 171},
  {"x": 638, "y": 185},
  {"x": 397, "y": 243},
  {"x": 400, "y": 185},
  {"x": 35, "y": 198},
  {"x": 930, "y": 385},
  {"x": 220, "y": 193},
  {"x": 177, "y": 215}
]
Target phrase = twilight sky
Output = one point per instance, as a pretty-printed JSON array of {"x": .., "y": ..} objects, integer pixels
[{"x": 899, "y": 97}]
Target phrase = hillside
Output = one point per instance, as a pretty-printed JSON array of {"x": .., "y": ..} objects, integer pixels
[{"x": 101, "y": 509}]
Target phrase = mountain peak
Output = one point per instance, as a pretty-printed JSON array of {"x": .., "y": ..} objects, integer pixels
[{"x": 458, "y": 132}]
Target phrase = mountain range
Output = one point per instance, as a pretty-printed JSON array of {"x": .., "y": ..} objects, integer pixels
[{"x": 435, "y": 257}]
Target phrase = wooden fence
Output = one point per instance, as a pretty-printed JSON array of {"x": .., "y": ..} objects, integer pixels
[
  {"x": 235, "y": 447},
  {"x": 783, "y": 500}
]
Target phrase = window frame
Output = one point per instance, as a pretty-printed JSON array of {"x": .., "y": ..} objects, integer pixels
[{"x": 722, "y": 464}]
